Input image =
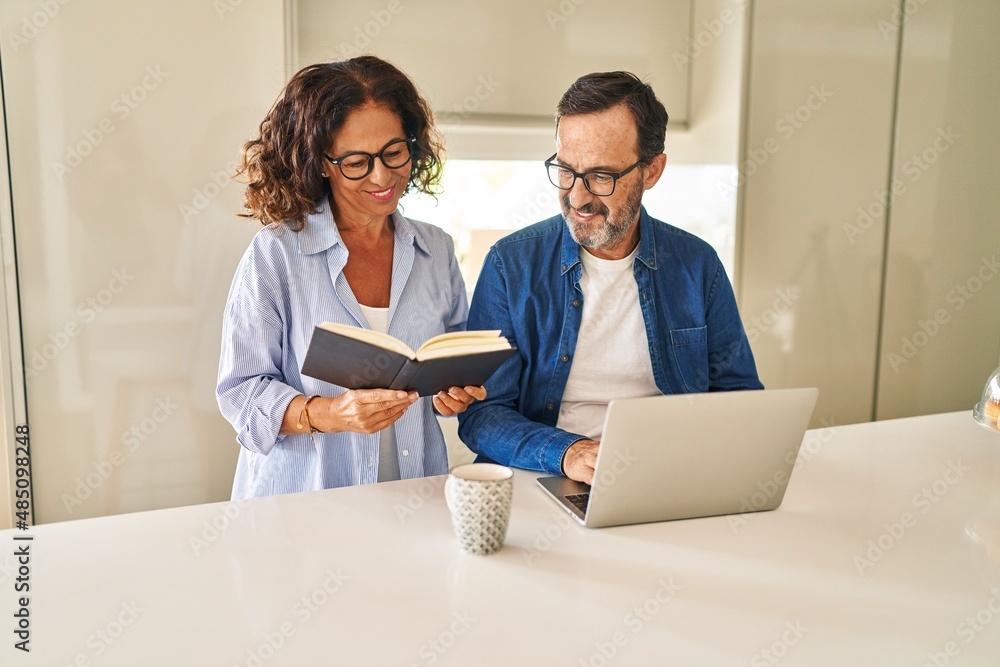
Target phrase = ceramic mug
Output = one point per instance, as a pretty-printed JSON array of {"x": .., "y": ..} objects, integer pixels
[{"x": 479, "y": 497}]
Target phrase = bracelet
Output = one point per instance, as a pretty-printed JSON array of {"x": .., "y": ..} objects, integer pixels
[{"x": 305, "y": 413}]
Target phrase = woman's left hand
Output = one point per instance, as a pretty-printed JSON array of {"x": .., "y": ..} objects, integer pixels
[{"x": 456, "y": 399}]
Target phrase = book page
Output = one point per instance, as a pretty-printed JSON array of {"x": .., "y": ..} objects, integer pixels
[
  {"x": 446, "y": 339},
  {"x": 377, "y": 338},
  {"x": 464, "y": 347}
]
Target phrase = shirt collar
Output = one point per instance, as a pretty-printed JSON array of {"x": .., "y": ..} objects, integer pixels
[
  {"x": 320, "y": 232},
  {"x": 646, "y": 252}
]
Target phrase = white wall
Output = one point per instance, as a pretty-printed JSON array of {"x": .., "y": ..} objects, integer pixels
[{"x": 124, "y": 119}]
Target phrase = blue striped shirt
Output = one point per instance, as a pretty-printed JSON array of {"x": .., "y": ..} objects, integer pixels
[{"x": 287, "y": 283}]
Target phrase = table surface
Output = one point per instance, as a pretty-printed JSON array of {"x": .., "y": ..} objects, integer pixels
[{"x": 886, "y": 551}]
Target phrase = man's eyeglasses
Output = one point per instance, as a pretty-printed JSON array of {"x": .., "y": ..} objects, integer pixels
[
  {"x": 355, "y": 166},
  {"x": 600, "y": 183}
]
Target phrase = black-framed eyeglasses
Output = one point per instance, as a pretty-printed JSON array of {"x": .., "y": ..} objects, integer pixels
[
  {"x": 600, "y": 183},
  {"x": 358, "y": 164}
]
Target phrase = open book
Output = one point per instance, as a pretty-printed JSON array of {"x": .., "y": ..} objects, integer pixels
[{"x": 358, "y": 358}]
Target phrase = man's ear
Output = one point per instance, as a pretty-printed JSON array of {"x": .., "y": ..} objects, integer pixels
[{"x": 651, "y": 173}]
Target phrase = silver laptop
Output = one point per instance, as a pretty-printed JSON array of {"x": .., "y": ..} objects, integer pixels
[{"x": 690, "y": 455}]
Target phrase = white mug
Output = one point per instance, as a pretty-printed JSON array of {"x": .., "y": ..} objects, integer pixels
[{"x": 479, "y": 497}]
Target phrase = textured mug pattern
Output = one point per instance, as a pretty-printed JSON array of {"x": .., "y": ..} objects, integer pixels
[{"x": 480, "y": 512}]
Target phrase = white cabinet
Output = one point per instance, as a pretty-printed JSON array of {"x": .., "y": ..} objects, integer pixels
[{"x": 889, "y": 305}]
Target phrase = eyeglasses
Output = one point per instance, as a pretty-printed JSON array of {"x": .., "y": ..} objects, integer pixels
[
  {"x": 358, "y": 164},
  {"x": 599, "y": 183}
]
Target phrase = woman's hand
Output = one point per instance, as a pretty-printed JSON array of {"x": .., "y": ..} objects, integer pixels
[
  {"x": 456, "y": 399},
  {"x": 361, "y": 410}
]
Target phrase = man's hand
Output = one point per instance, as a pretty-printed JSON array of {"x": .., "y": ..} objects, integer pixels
[
  {"x": 580, "y": 459},
  {"x": 456, "y": 399}
]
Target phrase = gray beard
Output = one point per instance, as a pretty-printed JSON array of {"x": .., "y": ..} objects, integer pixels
[{"x": 615, "y": 228}]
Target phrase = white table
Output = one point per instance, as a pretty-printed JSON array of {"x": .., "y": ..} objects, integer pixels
[{"x": 372, "y": 576}]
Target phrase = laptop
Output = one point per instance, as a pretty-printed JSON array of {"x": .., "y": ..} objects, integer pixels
[{"x": 690, "y": 455}]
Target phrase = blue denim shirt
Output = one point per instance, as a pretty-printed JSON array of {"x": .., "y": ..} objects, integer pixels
[{"x": 530, "y": 289}]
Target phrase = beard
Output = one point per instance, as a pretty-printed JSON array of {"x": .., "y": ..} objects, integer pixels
[{"x": 615, "y": 227}]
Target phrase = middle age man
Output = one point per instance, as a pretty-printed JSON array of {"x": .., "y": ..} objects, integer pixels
[{"x": 602, "y": 302}]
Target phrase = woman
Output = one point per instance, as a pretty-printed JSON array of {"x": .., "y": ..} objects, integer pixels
[{"x": 338, "y": 149}]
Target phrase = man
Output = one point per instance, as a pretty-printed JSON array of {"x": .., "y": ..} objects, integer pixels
[{"x": 603, "y": 301}]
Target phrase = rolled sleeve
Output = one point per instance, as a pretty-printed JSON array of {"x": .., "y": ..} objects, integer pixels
[{"x": 251, "y": 393}]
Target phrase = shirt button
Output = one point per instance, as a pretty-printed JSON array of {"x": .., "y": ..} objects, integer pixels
[
  {"x": 549, "y": 406},
  {"x": 406, "y": 452},
  {"x": 652, "y": 263},
  {"x": 576, "y": 303},
  {"x": 565, "y": 357}
]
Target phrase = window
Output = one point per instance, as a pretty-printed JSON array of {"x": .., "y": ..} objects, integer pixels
[{"x": 484, "y": 200}]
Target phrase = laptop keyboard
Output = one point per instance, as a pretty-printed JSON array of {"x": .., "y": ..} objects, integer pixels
[{"x": 579, "y": 500}]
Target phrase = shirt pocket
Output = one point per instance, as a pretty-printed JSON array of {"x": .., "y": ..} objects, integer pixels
[{"x": 689, "y": 348}]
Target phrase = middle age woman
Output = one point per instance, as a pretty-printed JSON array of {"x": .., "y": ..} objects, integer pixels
[{"x": 341, "y": 145}]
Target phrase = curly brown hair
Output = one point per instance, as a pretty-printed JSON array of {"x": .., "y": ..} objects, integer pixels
[{"x": 283, "y": 166}]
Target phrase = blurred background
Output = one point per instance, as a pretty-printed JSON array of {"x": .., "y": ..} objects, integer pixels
[{"x": 841, "y": 158}]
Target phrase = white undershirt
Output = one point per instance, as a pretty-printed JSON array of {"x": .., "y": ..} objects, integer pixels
[
  {"x": 612, "y": 351},
  {"x": 388, "y": 458}
]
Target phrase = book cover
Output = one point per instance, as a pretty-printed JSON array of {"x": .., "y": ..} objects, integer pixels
[{"x": 358, "y": 364}]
